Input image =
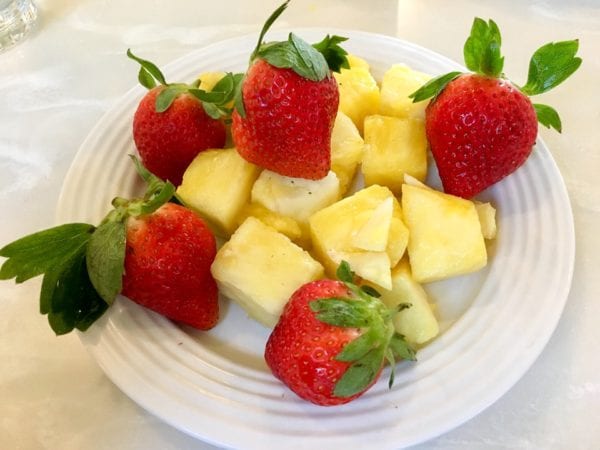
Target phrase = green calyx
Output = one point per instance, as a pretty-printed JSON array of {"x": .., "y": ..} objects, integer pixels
[
  {"x": 378, "y": 341},
  {"x": 216, "y": 102},
  {"x": 82, "y": 265},
  {"x": 549, "y": 66},
  {"x": 313, "y": 62}
]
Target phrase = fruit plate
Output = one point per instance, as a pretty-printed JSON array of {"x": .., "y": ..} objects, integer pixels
[{"x": 215, "y": 385}]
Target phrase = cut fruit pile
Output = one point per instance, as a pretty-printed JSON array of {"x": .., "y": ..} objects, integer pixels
[{"x": 283, "y": 232}]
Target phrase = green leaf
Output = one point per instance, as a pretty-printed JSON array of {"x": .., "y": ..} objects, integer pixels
[
  {"x": 212, "y": 97},
  {"x": 238, "y": 98},
  {"x": 360, "y": 374},
  {"x": 68, "y": 296},
  {"x": 359, "y": 347},
  {"x": 342, "y": 312},
  {"x": 157, "y": 193},
  {"x": 272, "y": 18},
  {"x": 150, "y": 71},
  {"x": 344, "y": 273},
  {"x": 401, "y": 348},
  {"x": 482, "y": 48},
  {"x": 371, "y": 291},
  {"x": 105, "y": 259},
  {"x": 334, "y": 54},
  {"x": 548, "y": 116},
  {"x": 36, "y": 253},
  {"x": 433, "y": 87},
  {"x": 389, "y": 355},
  {"x": 167, "y": 96},
  {"x": 550, "y": 65},
  {"x": 146, "y": 79},
  {"x": 298, "y": 55},
  {"x": 212, "y": 110}
]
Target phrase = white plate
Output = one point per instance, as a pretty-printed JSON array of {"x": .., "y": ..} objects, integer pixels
[{"x": 216, "y": 386}]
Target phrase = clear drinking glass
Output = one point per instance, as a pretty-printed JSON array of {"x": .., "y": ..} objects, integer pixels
[{"x": 17, "y": 18}]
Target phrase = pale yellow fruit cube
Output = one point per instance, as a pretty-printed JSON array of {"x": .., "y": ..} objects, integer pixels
[
  {"x": 417, "y": 323},
  {"x": 297, "y": 198},
  {"x": 334, "y": 229},
  {"x": 208, "y": 189},
  {"x": 260, "y": 268},
  {"x": 445, "y": 234},
  {"x": 487, "y": 219},
  {"x": 370, "y": 266},
  {"x": 347, "y": 148},
  {"x": 394, "y": 147},
  {"x": 374, "y": 234},
  {"x": 359, "y": 93},
  {"x": 397, "y": 84},
  {"x": 283, "y": 224}
]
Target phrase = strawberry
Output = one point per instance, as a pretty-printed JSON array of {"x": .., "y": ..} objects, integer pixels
[
  {"x": 175, "y": 122},
  {"x": 156, "y": 253},
  {"x": 332, "y": 339},
  {"x": 480, "y": 126},
  {"x": 167, "y": 266},
  {"x": 287, "y": 105}
]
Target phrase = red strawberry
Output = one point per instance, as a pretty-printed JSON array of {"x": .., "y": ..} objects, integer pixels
[
  {"x": 288, "y": 103},
  {"x": 175, "y": 121},
  {"x": 480, "y": 130},
  {"x": 331, "y": 341},
  {"x": 167, "y": 266},
  {"x": 481, "y": 127},
  {"x": 168, "y": 141},
  {"x": 157, "y": 254}
]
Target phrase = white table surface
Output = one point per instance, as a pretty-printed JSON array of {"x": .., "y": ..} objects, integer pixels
[{"x": 57, "y": 84}]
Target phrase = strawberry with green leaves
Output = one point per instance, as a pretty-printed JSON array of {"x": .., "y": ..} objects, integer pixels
[
  {"x": 287, "y": 104},
  {"x": 176, "y": 121},
  {"x": 156, "y": 253},
  {"x": 481, "y": 127},
  {"x": 332, "y": 340}
]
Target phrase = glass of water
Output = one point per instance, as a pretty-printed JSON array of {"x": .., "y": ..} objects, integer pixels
[{"x": 17, "y": 18}]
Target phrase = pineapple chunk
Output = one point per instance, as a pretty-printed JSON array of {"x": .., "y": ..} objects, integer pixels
[
  {"x": 285, "y": 225},
  {"x": 260, "y": 269},
  {"x": 394, "y": 147},
  {"x": 359, "y": 93},
  {"x": 208, "y": 80},
  {"x": 417, "y": 323},
  {"x": 445, "y": 234},
  {"x": 346, "y": 150},
  {"x": 207, "y": 187},
  {"x": 374, "y": 234},
  {"x": 397, "y": 84},
  {"x": 370, "y": 266},
  {"x": 333, "y": 231},
  {"x": 487, "y": 219},
  {"x": 297, "y": 198}
]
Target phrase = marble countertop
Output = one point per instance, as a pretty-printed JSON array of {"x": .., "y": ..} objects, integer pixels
[{"x": 56, "y": 85}]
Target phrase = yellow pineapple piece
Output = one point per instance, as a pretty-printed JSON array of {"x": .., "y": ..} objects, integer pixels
[
  {"x": 397, "y": 84},
  {"x": 394, "y": 147},
  {"x": 297, "y": 198},
  {"x": 374, "y": 234},
  {"x": 487, "y": 219},
  {"x": 260, "y": 268},
  {"x": 445, "y": 234},
  {"x": 359, "y": 93},
  {"x": 334, "y": 229},
  {"x": 207, "y": 187},
  {"x": 208, "y": 80},
  {"x": 283, "y": 224},
  {"x": 417, "y": 323},
  {"x": 346, "y": 150}
]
